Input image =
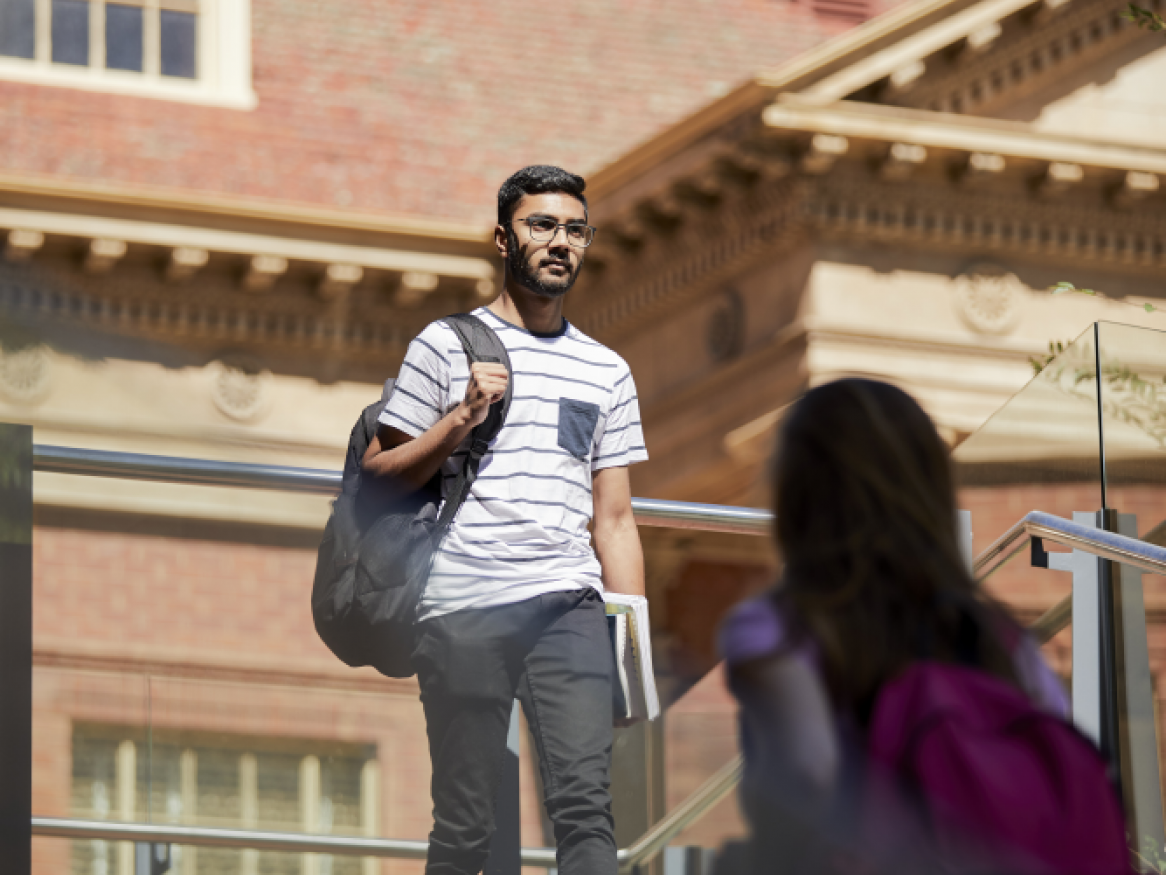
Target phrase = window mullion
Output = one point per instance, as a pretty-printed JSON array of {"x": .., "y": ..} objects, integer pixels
[
  {"x": 249, "y": 808},
  {"x": 96, "y": 34},
  {"x": 188, "y": 790},
  {"x": 127, "y": 789},
  {"x": 44, "y": 31},
  {"x": 152, "y": 60},
  {"x": 207, "y": 69}
]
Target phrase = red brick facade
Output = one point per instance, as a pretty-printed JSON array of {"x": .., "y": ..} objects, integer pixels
[
  {"x": 416, "y": 108},
  {"x": 205, "y": 637}
]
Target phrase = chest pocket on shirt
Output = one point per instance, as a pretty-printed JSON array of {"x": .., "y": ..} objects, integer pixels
[{"x": 577, "y": 421}]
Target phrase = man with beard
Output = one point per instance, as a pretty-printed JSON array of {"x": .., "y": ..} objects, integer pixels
[{"x": 513, "y": 605}]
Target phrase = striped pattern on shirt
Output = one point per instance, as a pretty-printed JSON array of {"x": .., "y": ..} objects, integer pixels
[{"x": 523, "y": 529}]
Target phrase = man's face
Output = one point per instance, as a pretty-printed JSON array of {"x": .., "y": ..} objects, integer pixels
[{"x": 545, "y": 267}]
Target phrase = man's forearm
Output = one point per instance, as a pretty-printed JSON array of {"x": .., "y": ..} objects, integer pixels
[
  {"x": 413, "y": 462},
  {"x": 621, "y": 556}
]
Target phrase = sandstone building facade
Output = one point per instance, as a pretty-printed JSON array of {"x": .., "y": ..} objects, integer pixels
[{"x": 225, "y": 220}]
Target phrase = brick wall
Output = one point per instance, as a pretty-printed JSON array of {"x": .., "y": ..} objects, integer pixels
[
  {"x": 415, "y": 107},
  {"x": 206, "y": 637}
]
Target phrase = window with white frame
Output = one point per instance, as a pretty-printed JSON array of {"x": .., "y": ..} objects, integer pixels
[
  {"x": 237, "y": 782},
  {"x": 195, "y": 50}
]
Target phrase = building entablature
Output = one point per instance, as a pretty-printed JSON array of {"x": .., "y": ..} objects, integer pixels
[
  {"x": 922, "y": 178},
  {"x": 277, "y": 280},
  {"x": 841, "y": 111}
]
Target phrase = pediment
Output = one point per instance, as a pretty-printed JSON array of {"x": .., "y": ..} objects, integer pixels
[
  {"x": 1119, "y": 97},
  {"x": 1073, "y": 67}
]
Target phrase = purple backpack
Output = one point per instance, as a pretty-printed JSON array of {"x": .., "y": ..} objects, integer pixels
[{"x": 963, "y": 764}]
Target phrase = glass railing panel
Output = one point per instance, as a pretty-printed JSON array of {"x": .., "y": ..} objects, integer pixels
[
  {"x": 1039, "y": 451},
  {"x": 1044, "y": 436},
  {"x": 1133, "y": 423},
  {"x": 179, "y": 680},
  {"x": 210, "y": 757},
  {"x": 1133, "y": 427},
  {"x": 695, "y": 579},
  {"x": 1043, "y": 450},
  {"x": 1133, "y": 395},
  {"x": 1139, "y": 634},
  {"x": 76, "y": 772},
  {"x": 701, "y": 738}
]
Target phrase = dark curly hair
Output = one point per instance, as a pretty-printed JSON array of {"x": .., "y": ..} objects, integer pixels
[{"x": 537, "y": 179}]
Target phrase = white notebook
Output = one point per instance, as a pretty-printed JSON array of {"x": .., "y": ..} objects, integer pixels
[{"x": 634, "y": 690}]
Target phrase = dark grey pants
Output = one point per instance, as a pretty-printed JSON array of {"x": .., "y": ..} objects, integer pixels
[{"x": 552, "y": 652}]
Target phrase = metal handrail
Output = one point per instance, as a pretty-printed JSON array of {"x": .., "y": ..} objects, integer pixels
[
  {"x": 715, "y": 789},
  {"x": 69, "y": 828},
  {"x": 246, "y": 475},
  {"x": 1104, "y": 545},
  {"x": 648, "y": 511},
  {"x": 652, "y": 512},
  {"x": 174, "y": 469},
  {"x": 693, "y": 808}
]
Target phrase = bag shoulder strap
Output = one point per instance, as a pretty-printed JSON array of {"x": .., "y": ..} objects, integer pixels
[{"x": 481, "y": 344}]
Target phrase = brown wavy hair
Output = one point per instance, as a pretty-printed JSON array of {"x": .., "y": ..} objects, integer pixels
[{"x": 866, "y": 525}]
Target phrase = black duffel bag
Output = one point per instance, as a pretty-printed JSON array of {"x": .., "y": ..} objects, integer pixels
[{"x": 378, "y": 544}]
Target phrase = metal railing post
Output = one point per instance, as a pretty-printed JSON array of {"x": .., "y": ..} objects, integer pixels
[
  {"x": 1136, "y": 721},
  {"x": 1088, "y": 702},
  {"x": 16, "y": 647},
  {"x": 1107, "y": 572}
]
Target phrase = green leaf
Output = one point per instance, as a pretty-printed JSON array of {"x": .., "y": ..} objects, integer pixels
[
  {"x": 1150, "y": 308},
  {"x": 1144, "y": 18}
]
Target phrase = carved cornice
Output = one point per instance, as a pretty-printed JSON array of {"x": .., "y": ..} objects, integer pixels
[
  {"x": 308, "y": 305},
  {"x": 172, "y": 238},
  {"x": 100, "y": 198},
  {"x": 707, "y": 248},
  {"x": 217, "y": 321},
  {"x": 905, "y": 60},
  {"x": 863, "y": 170},
  {"x": 318, "y": 291},
  {"x": 986, "y": 222},
  {"x": 1033, "y": 53},
  {"x": 956, "y": 135}
]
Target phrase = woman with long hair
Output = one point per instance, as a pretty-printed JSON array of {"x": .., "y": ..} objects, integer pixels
[{"x": 874, "y": 582}]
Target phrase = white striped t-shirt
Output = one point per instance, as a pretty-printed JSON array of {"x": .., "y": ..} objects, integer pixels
[{"x": 523, "y": 528}]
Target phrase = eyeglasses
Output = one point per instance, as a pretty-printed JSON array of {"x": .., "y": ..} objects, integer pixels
[{"x": 543, "y": 230}]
